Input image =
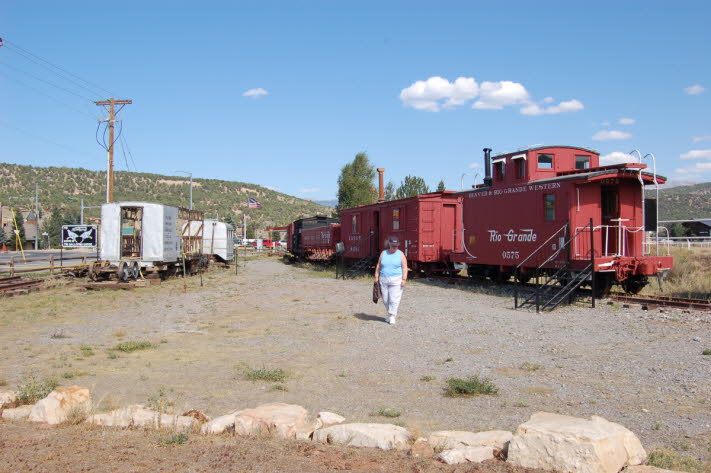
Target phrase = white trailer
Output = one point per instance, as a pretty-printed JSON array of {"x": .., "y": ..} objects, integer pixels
[
  {"x": 218, "y": 239},
  {"x": 149, "y": 237}
]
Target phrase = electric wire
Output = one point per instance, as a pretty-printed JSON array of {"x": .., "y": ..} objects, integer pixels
[
  {"x": 130, "y": 155},
  {"x": 45, "y": 81},
  {"x": 17, "y": 46},
  {"x": 45, "y": 139},
  {"x": 48, "y": 96},
  {"x": 125, "y": 159}
]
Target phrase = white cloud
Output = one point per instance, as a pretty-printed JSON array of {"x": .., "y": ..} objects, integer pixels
[
  {"x": 605, "y": 135},
  {"x": 695, "y": 89},
  {"x": 437, "y": 93},
  {"x": 255, "y": 93},
  {"x": 309, "y": 190},
  {"x": 698, "y": 139},
  {"x": 616, "y": 157},
  {"x": 474, "y": 165},
  {"x": 695, "y": 169},
  {"x": 697, "y": 154},
  {"x": 563, "y": 107},
  {"x": 626, "y": 121},
  {"x": 497, "y": 95}
]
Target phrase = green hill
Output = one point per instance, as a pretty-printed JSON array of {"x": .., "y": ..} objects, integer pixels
[
  {"x": 684, "y": 202},
  {"x": 213, "y": 196}
]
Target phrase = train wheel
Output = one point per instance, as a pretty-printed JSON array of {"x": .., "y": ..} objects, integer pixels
[
  {"x": 93, "y": 272},
  {"x": 523, "y": 278},
  {"x": 634, "y": 284},
  {"x": 123, "y": 272},
  {"x": 135, "y": 270}
]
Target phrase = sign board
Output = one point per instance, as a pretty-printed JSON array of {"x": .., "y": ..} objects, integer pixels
[{"x": 79, "y": 236}]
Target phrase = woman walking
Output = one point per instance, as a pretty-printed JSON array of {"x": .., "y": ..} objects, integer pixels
[{"x": 391, "y": 274}]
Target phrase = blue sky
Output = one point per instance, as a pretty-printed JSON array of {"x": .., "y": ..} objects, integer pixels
[{"x": 342, "y": 77}]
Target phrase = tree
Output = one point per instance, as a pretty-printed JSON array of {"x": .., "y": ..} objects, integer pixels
[
  {"x": 355, "y": 184},
  {"x": 678, "y": 230},
  {"x": 53, "y": 225},
  {"x": 390, "y": 191},
  {"x": 412, "y": 186},
  {"x": 251, "y": 229},
  {"x": 440, "y": 186},
  {"x": 21, "y": 226}
]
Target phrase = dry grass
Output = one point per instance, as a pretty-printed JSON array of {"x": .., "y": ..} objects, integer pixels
[
  {"x": 671, "y": 460},
  {"x": 690, "y": 277}
]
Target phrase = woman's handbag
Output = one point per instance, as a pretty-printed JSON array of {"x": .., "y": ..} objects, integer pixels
[{"x": 376, "y": 292}]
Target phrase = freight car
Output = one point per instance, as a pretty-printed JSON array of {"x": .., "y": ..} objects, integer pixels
[
  {"x": 313, "y": 238},
  {"x": 145, "y": 237},
  {"x": 428, "y": 225},
  {"x": 217, "y": 239},
  {"x": 556, "y": 210}
]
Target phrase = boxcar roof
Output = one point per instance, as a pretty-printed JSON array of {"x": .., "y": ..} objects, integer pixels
[{"x": 534, "y": 148}]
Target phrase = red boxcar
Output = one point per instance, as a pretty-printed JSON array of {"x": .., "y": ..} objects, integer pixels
[
  {"x": 541, "y": 197},
  {"x": 428, "y": 225},
  {"x": 319, "y": 243}
]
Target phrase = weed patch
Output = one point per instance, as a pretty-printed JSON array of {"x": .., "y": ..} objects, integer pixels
[
  {"x": 706, "y": 352},
  {"x": 471, "y": 386},
  {"x": 86, "y": 350},
  {"x": 58, "y": 334},
  {"x": 388, "y": 412},
  {"x": 34, "y": 389},
  {"x": 277, "y": 375},
  {"x": 279, "y": 387},
  {"x": 76, "y": 415},
  {"x": 427, "y": 378},
  {"x": 526, "y": 366},
  {"x": 131, "y": 346},
  {"x": 670, "y": 460},
  {"x": 175, "y": 439}
]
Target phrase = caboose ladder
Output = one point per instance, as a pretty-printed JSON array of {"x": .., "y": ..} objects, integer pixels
[
  {"x": 358, "y": 268},
  {"x": 554, "y": 285}
]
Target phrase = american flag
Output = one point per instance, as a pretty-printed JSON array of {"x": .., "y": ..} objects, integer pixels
[{"x": 254, "y": 204}]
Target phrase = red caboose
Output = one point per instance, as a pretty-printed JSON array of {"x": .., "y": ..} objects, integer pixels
[
  {"x": 534, "y": 213},
  {"x": 428, "y": 225},
  {"x": 319, "y": 243}
]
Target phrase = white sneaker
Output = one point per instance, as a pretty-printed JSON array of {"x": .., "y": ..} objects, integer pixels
[
  {"x": 391, "y": 321},
  {"x": 388, "y": 320}
]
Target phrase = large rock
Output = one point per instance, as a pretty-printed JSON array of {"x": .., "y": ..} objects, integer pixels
[
  {"x": 451, "y": 439},
  {"x": 7, "y": 398},
  {"x": 59, "y": 403},
  {"x": 564, "y": 443},
  {"x": 327, "y": 419},
  {"x": 139, "y": 416},
  {"x": 467, "y": 454},
  {"x": 383, "y": 436},
  {"x": 17, "y": 413},
  {"x": 279, "y": 419}
]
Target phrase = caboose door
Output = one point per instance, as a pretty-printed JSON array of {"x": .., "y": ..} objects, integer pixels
[
  {"x": 447, "y": 234},
  {"x": 610, "y": 214}
]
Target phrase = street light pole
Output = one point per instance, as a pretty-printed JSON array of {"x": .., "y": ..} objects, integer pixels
[
  {"x": 37, "y": 235},
  {"x": 81, "y": 211}
]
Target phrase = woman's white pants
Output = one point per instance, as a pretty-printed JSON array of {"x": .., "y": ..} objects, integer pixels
[{"x": 391, "y": 292}]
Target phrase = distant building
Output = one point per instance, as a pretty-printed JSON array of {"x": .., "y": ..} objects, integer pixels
[{"x": 699, "y": 227}]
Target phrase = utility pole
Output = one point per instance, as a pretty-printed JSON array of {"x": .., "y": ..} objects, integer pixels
[
  {"x": 109, "y": 105},
  {"x": 37, "y": 235}
]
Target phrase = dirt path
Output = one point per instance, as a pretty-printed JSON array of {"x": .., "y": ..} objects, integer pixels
[{"x": 644, "y": 370}]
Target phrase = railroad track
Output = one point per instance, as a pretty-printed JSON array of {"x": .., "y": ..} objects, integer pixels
[
  {"x": 663, "y": 301},
  {"x": 17, "y": 285}
]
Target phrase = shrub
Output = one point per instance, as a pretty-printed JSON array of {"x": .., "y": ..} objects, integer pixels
[
  {"x": 706, "y": 352},
  {"x": 279, "y": 387},
  {"x": 427, "y": 378},
  {"x": 33, "y": 389},
  {"x": 86, "y": 350},
  {"x": 277, "y": 375},
  {"x": 472, "y": 386},
  {"x": 131, "y": 346},
  {"x": 76, "y": 415}
]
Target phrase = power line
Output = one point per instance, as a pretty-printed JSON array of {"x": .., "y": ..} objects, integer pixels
[
  {"x": 130, "y": 155},
  {"x": 45, "y": 81},
  {"x": 48, "y": 96},
  {"x": 42, "y": 138},
  {"x": 17, "y": 46}
]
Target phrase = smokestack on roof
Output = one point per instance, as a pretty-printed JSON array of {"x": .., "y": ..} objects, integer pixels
[
  {"x": 487, "y": 167},
  {"x": 381, "y": 187}
]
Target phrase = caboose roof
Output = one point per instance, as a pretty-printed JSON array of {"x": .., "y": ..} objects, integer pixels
[{"x": 536, "y": 148}]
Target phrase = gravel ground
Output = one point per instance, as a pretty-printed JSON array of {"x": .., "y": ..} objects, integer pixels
[{"x": 644, "y": 370}]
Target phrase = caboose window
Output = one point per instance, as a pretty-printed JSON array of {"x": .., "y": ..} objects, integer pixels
[
  {"x": 354, "y": 224},
  {"x": 396, "y": 219},
  {"x": 582, "y": 162},
  {"x": 499, "y": 170},
  {"x": 520, "y": 168},
  {"x": 549, "y": 206},
  {"x": 545, "y": 161}
]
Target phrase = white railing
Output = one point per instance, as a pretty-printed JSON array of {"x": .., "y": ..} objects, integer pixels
[{"x": 616, "y": 241}]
